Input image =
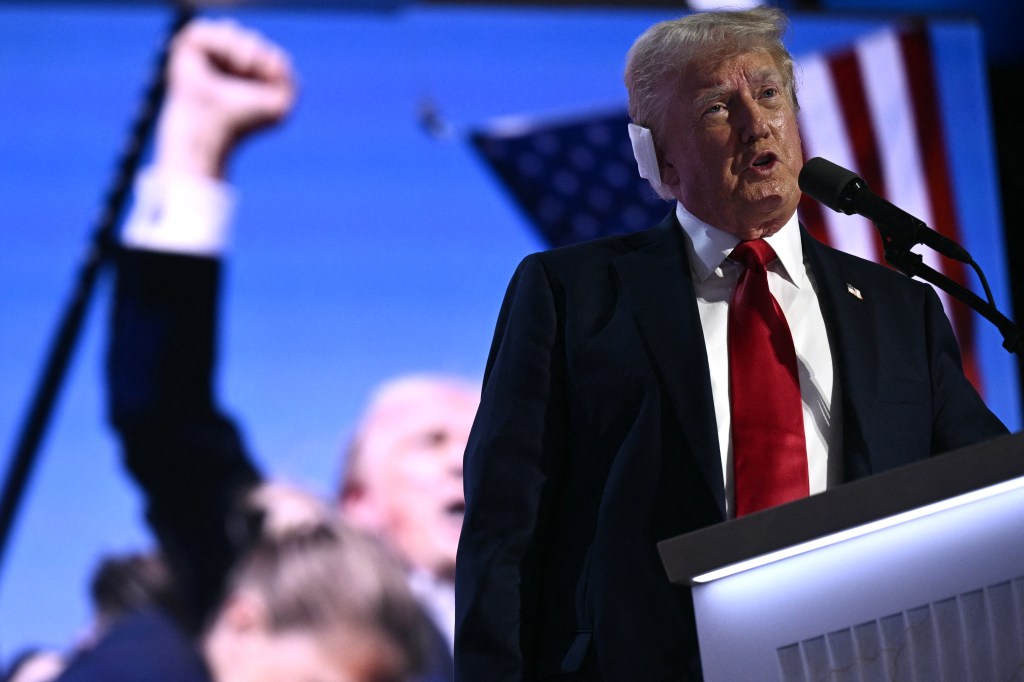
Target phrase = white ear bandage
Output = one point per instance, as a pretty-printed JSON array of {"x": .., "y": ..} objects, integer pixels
[{"x": 646, "y": 157}]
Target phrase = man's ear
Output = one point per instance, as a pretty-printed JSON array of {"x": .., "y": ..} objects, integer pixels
[
  {"x": 244, "y": 612},
  {"x": 240, "y": 628},
  {"x": 649, "y": 163},
  {"x": 361, "y": 508},
  {"x": 669, "y": 174}
]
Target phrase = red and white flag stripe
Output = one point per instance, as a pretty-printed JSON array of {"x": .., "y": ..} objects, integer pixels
[{"x": 873, "y": 108}]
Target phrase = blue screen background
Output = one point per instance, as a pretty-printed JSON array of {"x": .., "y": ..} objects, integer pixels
[{"x": 363, "y": 247}]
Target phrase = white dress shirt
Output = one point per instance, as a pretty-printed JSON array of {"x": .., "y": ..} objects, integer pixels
[
  {"x": 792, "y": 283},
  {"x": 438, "y": 599}
]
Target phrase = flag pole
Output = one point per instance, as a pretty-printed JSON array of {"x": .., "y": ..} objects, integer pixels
[{"x": 98, "y": 255}]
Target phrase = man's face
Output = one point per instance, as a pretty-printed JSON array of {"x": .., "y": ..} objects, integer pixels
[
  {"x": 729, "y": 145},
  {"x": 411, "y": 482}
]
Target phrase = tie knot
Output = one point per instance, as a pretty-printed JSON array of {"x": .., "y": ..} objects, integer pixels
[{"x": 755, "y": 251}]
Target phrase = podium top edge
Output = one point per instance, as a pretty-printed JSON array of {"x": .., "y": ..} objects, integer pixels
[{"x": 843, "y": 508}]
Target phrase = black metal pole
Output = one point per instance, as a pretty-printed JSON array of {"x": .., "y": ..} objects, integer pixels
[{"x": 97, "y": 256}]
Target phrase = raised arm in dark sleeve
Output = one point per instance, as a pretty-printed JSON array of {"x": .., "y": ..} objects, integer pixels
[{"x": 186, "y": 456}]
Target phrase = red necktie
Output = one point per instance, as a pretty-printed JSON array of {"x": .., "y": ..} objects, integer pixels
[{"x": 769, "y": 452}]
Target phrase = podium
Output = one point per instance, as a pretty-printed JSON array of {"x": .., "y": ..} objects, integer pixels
[{"x": 912, "y": 574}]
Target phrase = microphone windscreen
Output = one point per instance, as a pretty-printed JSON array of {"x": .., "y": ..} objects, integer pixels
[{"x": 826, "y": 182}]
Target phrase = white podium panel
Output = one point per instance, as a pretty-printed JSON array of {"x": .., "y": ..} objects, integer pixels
[
  {"x": 914, "y": 574},
  {"x": 788, "y": 620}
]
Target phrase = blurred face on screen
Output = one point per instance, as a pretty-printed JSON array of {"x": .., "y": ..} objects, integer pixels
[
  {"x": 405, "y": 480},
  {"x": 730, "y": 146},
  {"x": 253, "y": 653}
]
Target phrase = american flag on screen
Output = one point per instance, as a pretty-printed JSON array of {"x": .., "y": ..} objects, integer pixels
[
  {"x": 575, "y": 179},
  {"x": 872, "y": 108}
]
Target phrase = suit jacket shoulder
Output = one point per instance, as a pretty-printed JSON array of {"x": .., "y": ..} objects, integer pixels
[
  {"x": 145, "y": 645},
  {"x": 605, "y": 249}
]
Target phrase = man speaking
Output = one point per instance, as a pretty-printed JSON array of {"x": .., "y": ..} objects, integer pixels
[{"x": 647, "y": 385}]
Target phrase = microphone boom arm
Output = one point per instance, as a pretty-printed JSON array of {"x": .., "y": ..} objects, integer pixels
[
  {"x": 898, "y": 254},
  {"x": 844, "y": 191}
]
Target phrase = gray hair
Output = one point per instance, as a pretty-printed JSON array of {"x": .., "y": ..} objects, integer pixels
[
  {"x": 659, "y": 57},
  {"x": 320, "y": 576}
]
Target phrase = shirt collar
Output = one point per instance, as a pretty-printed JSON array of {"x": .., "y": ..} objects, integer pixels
[{"x": 709, "y": 246}]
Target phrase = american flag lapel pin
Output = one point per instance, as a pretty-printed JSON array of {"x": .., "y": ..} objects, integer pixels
[{"x": 855, "y": 292}]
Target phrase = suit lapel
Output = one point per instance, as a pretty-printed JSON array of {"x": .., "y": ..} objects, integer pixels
[
  {"x": 656, "y": 278},
  {"x": 846, "y": 306}
]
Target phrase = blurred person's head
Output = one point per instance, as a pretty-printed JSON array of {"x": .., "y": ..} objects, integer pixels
[
  {"x": 123, "y": 583},
  {"x": 314, "y": 599},
  {"x": 403, "y": 477}
]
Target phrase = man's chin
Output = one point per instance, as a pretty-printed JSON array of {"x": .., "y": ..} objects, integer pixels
[{"x": 768, "y": 213}]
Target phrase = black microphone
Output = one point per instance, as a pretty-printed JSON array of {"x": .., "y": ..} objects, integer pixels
[{"x": 845, "y": 192}]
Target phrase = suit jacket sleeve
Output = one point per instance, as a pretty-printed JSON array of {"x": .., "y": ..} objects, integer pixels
[
  {"x": 186, "y": 456},
  {"x": 511, "y": 464},
  {"x": 960, "y": 417}
]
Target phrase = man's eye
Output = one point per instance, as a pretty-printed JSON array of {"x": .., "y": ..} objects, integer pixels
[
  {"x": 715, "y": 108},
  {"x": 770, "y": 92},
  {"x": 434, "y": 438}
]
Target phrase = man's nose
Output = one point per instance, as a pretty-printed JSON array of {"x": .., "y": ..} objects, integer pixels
[{"x": 752, "y": 121}]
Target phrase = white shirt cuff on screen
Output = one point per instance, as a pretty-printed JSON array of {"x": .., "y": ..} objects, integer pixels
[{"x": 179, "y": 213}]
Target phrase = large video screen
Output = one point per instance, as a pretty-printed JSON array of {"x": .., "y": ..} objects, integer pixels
[{"x": 372, "y": 236}]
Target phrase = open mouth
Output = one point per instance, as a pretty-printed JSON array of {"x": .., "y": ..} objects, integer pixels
[{"x": 763, "y": 160}]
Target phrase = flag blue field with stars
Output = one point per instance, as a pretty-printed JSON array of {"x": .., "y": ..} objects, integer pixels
[{"x": 574, "y": 179}]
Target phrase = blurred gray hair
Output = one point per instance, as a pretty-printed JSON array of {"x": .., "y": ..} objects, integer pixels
[{"x": 318, "y": 575}]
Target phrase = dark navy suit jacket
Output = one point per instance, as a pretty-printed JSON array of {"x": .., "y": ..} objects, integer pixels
[
  {"x": 596, "y": 438},
  {"x": 147, "y": 645}
]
